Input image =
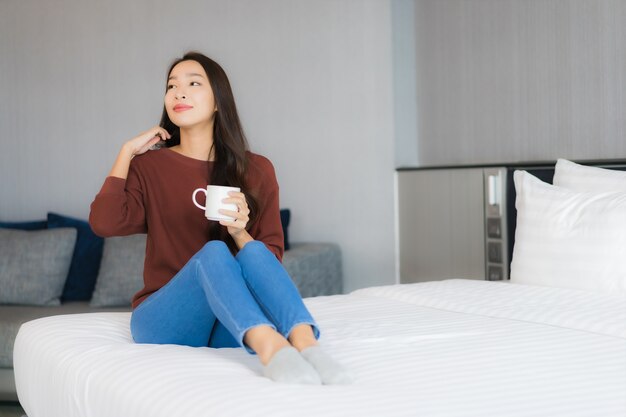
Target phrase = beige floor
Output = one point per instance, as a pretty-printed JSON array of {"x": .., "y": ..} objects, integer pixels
[{"x": 10, "y": 410}]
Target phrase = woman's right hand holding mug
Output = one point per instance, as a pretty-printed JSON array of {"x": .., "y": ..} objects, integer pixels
[{"x": 144, "y": 141}]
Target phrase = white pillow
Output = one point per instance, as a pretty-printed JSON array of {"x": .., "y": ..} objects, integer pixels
[
  {"x": 568, "y": 239},
  {"x": 577, "y": 177}
]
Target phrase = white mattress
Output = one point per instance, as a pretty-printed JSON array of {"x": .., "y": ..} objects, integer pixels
[{"x": 448, "y": 348}]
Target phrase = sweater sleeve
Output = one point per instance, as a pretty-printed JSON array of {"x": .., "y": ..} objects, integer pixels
[
  {"x": 268, "y": 228},
  {"x": 118, "y": 209}
]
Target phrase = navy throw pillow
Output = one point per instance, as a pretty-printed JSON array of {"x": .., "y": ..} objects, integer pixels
[
  {"x": 85, "y": 265},
  {"x": 285, "y": 216},
  {"x": 33, "y": 225}
]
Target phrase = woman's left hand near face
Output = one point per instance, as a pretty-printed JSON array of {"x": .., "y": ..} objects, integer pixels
[{"x": 241, "y": 216}]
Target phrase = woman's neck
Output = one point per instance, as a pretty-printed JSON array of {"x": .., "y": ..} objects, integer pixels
[{"x": 196, "y": 142}]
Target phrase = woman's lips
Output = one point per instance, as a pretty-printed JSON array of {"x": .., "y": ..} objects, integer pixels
[{"x": 180, "y": 107}]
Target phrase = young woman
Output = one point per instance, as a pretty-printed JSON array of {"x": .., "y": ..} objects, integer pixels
[{"x": 208, "y": 283}]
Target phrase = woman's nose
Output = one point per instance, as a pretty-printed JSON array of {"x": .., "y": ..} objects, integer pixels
[{"x": 179, "y": 94}]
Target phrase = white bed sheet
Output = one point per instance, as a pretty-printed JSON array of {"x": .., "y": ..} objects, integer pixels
[{"x": 446, "y": 348}]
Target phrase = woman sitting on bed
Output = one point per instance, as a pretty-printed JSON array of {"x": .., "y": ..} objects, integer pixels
[{"x": 208, "y": 283}]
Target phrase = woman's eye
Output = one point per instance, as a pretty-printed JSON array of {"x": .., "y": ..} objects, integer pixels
[{"x": 169, "y": 87}]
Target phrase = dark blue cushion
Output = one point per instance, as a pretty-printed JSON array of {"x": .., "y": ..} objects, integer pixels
[
  {"x": 285, "y": 216},
  {"x": 85, "y": 265},
  {"x": 33, "y": 225}
]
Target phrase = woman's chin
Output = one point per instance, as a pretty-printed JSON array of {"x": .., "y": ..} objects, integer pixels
[
  {"x": 189, "y": 122},
  {"x": 183, "y": 125}
]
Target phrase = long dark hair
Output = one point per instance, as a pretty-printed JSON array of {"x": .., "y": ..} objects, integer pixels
[{"x": 229, "y": 141}]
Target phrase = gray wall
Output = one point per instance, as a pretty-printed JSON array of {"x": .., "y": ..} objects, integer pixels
[
  {"x": 516, "y": 80},
  {"x": 404, "y": 81},
  {"x": 312, "y": 79}
]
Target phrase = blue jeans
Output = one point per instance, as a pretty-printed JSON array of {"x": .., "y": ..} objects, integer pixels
[{"x": 216, "y": 298}]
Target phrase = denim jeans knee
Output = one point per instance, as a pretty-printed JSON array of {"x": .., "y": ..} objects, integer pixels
[
  {"x": 215, "y": 247},
  {"x": 273, "y": 289}
]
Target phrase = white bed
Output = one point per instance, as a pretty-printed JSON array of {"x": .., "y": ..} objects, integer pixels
[{"x": 447, "y": 349}]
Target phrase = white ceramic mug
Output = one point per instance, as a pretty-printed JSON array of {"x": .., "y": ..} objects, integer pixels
[{"x": 214, "y": 196}]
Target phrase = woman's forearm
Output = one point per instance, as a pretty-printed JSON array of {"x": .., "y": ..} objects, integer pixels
[
  {"x": 136, "y": 146},
  {"x": 122, "y": 163}
]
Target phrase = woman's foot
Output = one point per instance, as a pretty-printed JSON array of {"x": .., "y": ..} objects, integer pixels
[
  {"x": 287, "y": 366},
  {"x": 302, "y": 337},
  {"x": 265, "y": 341},
  {"x": 330, "y": 371},
  {"x": 281, "y": 361}
]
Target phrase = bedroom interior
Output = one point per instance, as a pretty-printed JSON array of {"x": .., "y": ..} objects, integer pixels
[{"x": 424, "y": 112}]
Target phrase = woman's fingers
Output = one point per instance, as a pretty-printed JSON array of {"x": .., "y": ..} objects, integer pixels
[
  {"x": 163, "y": 134},
  {"x": 142, "y": 142},
  {"x": 242, "y": 207},
  {"x": 240, "y": 217},
  {"x": 236, "y": 195},
  {"x": 156, "y": 132},
  {"x": 239, "y": 199},
  {"x": 160, "y": 135},
  {"x": 234, "y": 226},
  {"x": 151, "y": 143}
]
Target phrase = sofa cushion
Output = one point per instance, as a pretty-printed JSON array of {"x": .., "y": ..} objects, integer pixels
[
  {"x": 12, "y": 317},
  {"x": 31, "y": 225},
  {"x": 81, "y": 278},
  {"x": 121, "y": 271},
  {"x": 285, "y": 217},
  {"x": 34, "y": 265},
  {"x": 315, "y": 268}
]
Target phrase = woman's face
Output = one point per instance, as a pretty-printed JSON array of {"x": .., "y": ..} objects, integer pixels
[{"x": 189, "y": 99}]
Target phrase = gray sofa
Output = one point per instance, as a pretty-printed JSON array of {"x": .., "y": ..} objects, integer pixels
[{"x": 314, "y": 267}]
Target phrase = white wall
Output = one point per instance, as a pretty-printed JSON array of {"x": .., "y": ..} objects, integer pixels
[{"x": 312, "y": 79}]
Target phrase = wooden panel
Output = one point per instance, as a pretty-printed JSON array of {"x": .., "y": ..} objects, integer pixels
[{"x": 441, "y": 226}]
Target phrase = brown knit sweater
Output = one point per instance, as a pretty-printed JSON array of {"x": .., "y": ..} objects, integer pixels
[{"x": 156, "y": 199}]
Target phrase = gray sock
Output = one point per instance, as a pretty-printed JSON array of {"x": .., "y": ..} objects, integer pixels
[
  {"x": 289, "y": 367},
  {"x": 330, "y": 370}
]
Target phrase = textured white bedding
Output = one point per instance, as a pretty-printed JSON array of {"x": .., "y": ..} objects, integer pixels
[{"x": 445, "y": 348}]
